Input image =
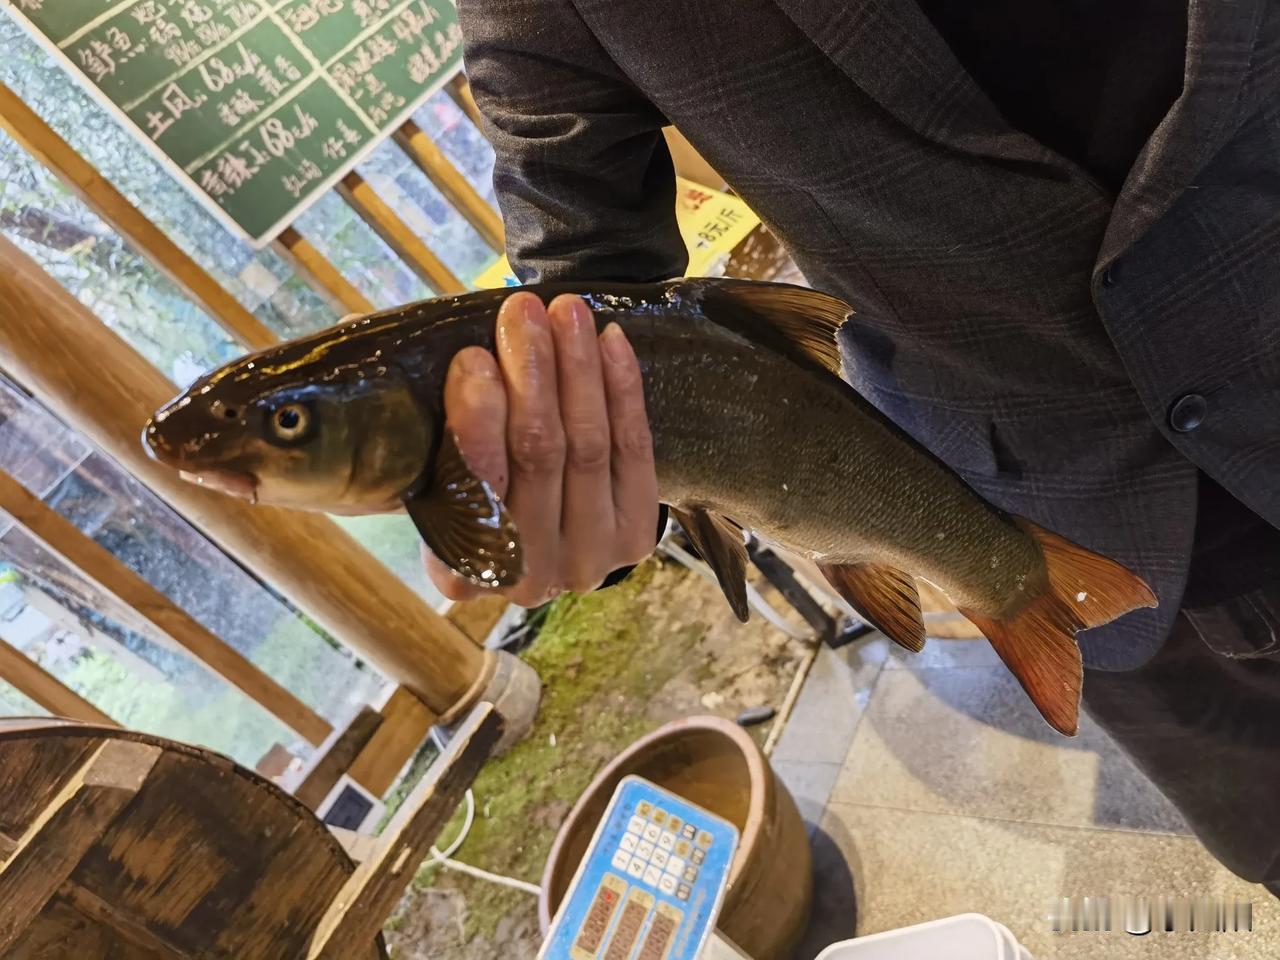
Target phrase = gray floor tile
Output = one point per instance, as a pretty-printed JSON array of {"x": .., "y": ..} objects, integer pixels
[
  {"x": 938, "y": 653},
  {"x": 907, "y": 867},
  {"x": 968, "y": 741},
  {"x": 809, "y": 784},
  {"x": 827, "y": 712}
]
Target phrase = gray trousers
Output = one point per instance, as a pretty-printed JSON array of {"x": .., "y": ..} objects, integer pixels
[{"x": 1202, "y": 720}]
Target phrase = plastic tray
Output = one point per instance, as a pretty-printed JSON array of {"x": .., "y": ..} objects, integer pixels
[{"x": 970, "y": 936}]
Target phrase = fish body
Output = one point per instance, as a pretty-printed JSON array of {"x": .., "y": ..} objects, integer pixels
[{"x": 753, "y": 427}]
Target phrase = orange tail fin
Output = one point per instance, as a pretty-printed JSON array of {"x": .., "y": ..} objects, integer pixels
[{"x": 1038, "y": 644}]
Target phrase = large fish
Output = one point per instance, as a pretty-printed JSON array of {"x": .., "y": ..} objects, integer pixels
[{"x": 753, "y": 428}]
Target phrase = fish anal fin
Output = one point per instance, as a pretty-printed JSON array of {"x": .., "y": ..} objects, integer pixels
[
  {"x": 1038, "y": 644},
  {"x": 806, "y": 319},
  {"x": 885, "y": 596},
  {"x": 719, "y": 541},
  {"x": 464, "y": 523}
]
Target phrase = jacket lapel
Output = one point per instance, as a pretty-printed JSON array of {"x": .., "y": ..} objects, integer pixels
[
  {"x": 1220, "y": 42},
  {"x": 893, "y": 53}
]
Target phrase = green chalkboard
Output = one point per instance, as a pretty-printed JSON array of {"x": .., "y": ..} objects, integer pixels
[{"x": 257, "y": 105}]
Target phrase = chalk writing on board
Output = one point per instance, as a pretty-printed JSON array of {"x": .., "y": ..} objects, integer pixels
[{"x": 256, "y": 105}]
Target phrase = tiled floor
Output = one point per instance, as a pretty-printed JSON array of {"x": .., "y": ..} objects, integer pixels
[{"x": 932, "y": 788}]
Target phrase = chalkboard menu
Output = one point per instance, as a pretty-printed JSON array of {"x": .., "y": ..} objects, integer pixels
[{"x": 257, "y": 105}]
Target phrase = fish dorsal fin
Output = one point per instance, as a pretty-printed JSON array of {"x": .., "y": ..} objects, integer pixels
[
  {"x": 464, "y": 523},
  {"x": 885, "y": 596},
  {"x": 803, "y": 319},
  {"x": 720, "y": 543}
]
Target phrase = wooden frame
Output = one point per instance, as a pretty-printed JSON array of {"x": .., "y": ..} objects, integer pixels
[{"x": 437, "y": 663}]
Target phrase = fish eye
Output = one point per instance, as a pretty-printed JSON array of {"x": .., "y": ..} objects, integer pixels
[
  {"x": 290, "y": 422},
  {"x": 230, "y": 413}
]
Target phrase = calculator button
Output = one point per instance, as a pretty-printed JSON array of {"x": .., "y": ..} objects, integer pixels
[
  {"x": 683, "y": 891},
  {"x": 704, "y": 839},
  {"x": 690, "y": 874},
  {"x": 676, "y": 865},
  {"x": 644, "y": 850},
  {"x": 636, "y": 868},
  {"x": 682, "y": 848},
  {"x": 659, "y": 817},
  {"x": 698, "y": 856},
  {"x": 636, "y": 825},
  {"x": 667, "y": 841},
  {"x": 652, "y": 832},
  {"x": 620, "y": 860},
  {"x": 667, "y": 884},
  {"x": 628, "y": 842},
  {"x": 674, "y": 824},
  {"x": 652, "y": 875},
  {"x": 644, "y": 808},
  {"x": 688, "y": 832},
  {"x": 659, "y": 858}
]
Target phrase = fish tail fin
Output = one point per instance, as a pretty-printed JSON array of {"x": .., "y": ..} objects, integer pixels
[{"x": 1038, "y": 643}]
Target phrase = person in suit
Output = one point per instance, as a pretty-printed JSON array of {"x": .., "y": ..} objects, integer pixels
[{"x": 1059, "y": 226}]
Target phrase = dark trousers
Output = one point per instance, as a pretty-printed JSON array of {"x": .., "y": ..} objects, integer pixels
[{"x": 1202, "y": 720}]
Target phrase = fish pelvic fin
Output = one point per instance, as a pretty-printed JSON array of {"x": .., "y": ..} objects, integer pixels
[
  {"x": 719, "y": 540},
  {"x": 464, "y": 522},
  {"x": 806, "y": 320},
  {"x": 1038, "y": 643},
  {"x": 884, "y": 596}
]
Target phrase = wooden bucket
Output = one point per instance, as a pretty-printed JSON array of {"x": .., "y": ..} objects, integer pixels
[{"x": 715, "y": 764}]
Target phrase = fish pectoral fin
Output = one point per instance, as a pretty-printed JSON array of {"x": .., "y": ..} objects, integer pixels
[
  {"x": 1038, "y": 643},
  {"x": 885, "y": 596},
  {"x": 465, "y": 523},
  {"x": 720, "y": 542}
]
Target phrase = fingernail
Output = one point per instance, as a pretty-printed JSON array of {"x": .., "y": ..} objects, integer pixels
[
  {"x": 524, "y": 307},
  {"x": 476, "y": 364},
  {"x": 581, "y": 313},
  {"x": 614, "y": 344}
]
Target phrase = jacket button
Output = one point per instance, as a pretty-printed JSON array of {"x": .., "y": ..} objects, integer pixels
[
  {"x": 1188, "y": 412},
  {"x": 1111, "y": 275}
]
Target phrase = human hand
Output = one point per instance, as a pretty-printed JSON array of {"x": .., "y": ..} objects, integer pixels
[{"x": 556, "y": 425}]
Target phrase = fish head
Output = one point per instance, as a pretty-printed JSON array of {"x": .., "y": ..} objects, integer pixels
[{"x": 348, "y": 441}]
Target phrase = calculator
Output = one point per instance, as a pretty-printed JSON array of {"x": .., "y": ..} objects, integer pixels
[{"x": 651, "y": 883}]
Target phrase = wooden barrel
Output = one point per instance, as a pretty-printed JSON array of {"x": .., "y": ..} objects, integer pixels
[
  {"x": 715, "y": 764},
  {"x": 193, "y": 857}
]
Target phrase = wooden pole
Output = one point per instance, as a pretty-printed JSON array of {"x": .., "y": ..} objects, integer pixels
[
  {"x": 321, "y": 275},
  {"x": 38, "y": 139},
  {"x": 100, "y": 567},
  {"x": 360, "y": 909},
  {"x": 90, "y": 378},
  {"x": 460, "y": 93},
  {"x": 38, "y": 684},
  {"x": 387, "y": 224},
  {"x": 449, "y": 180}
]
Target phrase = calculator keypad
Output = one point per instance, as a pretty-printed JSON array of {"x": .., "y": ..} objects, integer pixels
[{"x": 661, "y": 851}]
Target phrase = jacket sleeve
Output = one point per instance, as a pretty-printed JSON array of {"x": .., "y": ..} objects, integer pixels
[{"x": 583, "y": 175}]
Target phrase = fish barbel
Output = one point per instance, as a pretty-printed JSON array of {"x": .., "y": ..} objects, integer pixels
[{"x": 753, "y": 427}]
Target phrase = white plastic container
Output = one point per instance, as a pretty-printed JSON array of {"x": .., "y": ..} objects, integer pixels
[{"x": 970, "y": 936}]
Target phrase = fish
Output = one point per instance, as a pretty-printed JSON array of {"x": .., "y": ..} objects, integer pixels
[{"x": 754, "y": 428}]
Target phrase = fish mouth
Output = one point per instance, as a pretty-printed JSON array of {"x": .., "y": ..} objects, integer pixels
[{"x": 232, "y": 482}]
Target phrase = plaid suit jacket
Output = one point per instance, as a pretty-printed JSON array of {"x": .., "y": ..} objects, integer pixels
[{"x": 1026, "y": 324}]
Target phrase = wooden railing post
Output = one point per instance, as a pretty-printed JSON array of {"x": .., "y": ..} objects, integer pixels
[
  {"x": 94, "y": 562},
  {"x": 88, "y": 376},
  {"x": 449, "y": 180},
  {"x": 388, "y": 225}
]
